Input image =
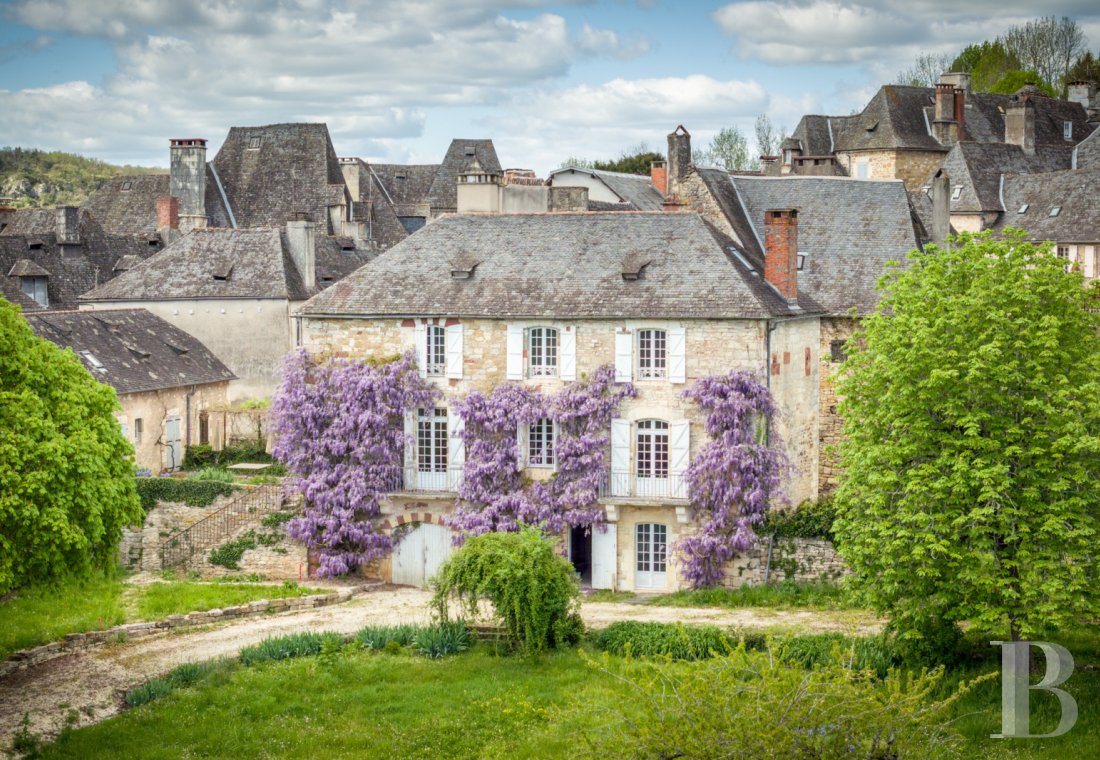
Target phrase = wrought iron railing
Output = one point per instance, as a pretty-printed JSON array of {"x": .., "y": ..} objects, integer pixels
[
  {"x": 251, "y": 505},
  {"x": 628, "y": 484},
  {"x": 414, "y": 481}
]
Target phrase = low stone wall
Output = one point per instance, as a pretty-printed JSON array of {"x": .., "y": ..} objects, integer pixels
[
  {"x": 78, "y": 641},
  {"x": 799, "y": 559},
  {"x": 283, "y": 561},
  {"x": 138, "y": 549}
]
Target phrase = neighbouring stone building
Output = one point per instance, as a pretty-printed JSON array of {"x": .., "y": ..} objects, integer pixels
[
  {"x": 172, "y": 390},
  {"x": 544, "y": 299}
]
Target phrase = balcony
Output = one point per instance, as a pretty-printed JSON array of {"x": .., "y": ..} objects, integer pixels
[
  {"x": 626, "y": 484},
  {"x": 413, "y": 480}
]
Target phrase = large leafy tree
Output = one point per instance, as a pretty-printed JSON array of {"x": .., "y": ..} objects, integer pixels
[
  {"x": 972, "y": 459},
  {"x": 66, "y": 471}
]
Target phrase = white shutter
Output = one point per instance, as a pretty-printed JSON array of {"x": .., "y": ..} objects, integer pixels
[
  {"x": 677, "y": 354},
  {"x": 515, "y": 352},
  {"x": 620, "y": 457},
  {"x": 410, "y": 450},
  {"x": 554, "y": 429},
  {"x": 523, "y": 442},
  {"x": 604, "y": 554},
  {"x": 679, "y": 449},
  {"x": 454, "y": 351},
  {"x": 422, "y": 348},
  {"x": 456, "y": 449},
  {"x": 569, "y": 353},
  {"x": 624, "y": 356}
]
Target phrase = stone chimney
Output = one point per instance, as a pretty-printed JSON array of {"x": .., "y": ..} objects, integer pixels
[
  {"x": 781, "y": 251},
  {"x": 1020, "y": 124},
  {"x": 944, "y": 127},
  {"x": 679, "y": 159},
  {"x": 960, "y": 80},
  {"x": 960, "y": 113},
  {"x": 769, "y": 166},
  {"x": 168, "y": 218},
  {"x": 941, "y": 207},
  {"x": 68, "y": 225},
  {"x": 300, "y": 238},
  {"x": 1081, "y": 92},
  {"x": 658, "y": 175},
  {"x": 188, "y": 181}
]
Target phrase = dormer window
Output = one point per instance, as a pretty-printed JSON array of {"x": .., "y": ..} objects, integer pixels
[
  {"x": 223, "y": 272},
  {"x": 127, "y": 186},
  {"x": 801, "y": 260},
  {"x": 470, "y": 150},
  {"x": 35, "y": 287},
  {"x": 400, "y": 175},
  {"x": 254, "y": 143},
  {"x": 1024, "y": 208},
  {"x": 1067, "y": 130},
  {"x": 634, "y": 267},
  {"x": 34, "y": 245},
  {"x": 1055, "y": 211}
]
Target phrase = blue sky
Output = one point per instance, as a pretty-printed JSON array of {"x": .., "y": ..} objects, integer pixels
[{"x": 397, "y": 79}]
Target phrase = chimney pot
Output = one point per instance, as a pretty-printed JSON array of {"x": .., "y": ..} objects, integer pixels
[
  {"x": 1020, "y": 124},
  {"x": 769, "y": 166},
  {"x": 781, "y": 251}
]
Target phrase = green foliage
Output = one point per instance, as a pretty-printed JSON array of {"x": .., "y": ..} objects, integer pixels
[
  {"x": 986, "y": 62},
  {"x": 1012, "y": 81},
  {"x": 811, "y": 520},
  {"x": 185, "y": 675},
  {"x": 577, "y": 162},
  {"x": 192, "y": 492},
  {"x": 229, "y": 554},
  {"x": 198, "y": 457},
  {"x": 971, "y": 442},
  {"x": 303, "y": 644},
  {"x": 39, "y": 178},
  {"x": 276, "y": 519},
  {"x": 26, "y": 742},
  {"x": 66, "y": 471},
  {"x": 158, "y": 600},
  {"x": 378, "y": 636},
  {"x": 729, "y": 149},
  {"x": 532, "y": 588},
  {"x": 750, "y": 705},
  {"x": 634, "y": 163},
  {"x": 1085, "y": 69},
  {"x": 631, "y": 638},
  {"x": 440, "y": 640},
  {"x": 787, "y": 594},
  {"x": 816, "y": 650},
  {"x": 214, "y": 474}
]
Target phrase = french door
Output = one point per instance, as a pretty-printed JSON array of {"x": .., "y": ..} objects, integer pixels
[{"x": 650, "y": 555}]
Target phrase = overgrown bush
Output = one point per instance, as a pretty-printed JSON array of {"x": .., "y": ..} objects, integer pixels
[
  {"x": 812, "y": 519},
  {"x": 531, "y": 587},
  {"x": 193, "y": 493},
  {"x": 816, "y": 650},
  {"x": 289, "y": 646},
  {"x": 229, "y": 554},
  {"x": 275, "y": 519},
  {"x": 198, "y": 457},
  {"x": 673, "y": 640},
  {"x": 443, "y": 639}
]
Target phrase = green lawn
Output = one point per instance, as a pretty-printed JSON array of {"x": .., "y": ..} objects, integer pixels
[
  {"x": 476, "y": 704},
  {"x": 41, "y": 615},
  {"x": 785, "y": 595}
]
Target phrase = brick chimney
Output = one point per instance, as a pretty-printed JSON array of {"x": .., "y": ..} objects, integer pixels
[
  {"x": 781, "y": 251},
  {"x": 944, "y": 125},
  {"x": 960, "y": 113},
  {"x": 679, "y": 158},
  {"x": 658, "y": 175},
  {"x": 1020, "y": 124},
  {"x": 300, "y": 238},
  {"x": 68, "y": 225},
  {"x": 187, "y": 180},
  {"x": 168, "y": 218}
]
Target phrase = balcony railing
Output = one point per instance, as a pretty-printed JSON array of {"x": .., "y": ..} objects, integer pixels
[
  {"x": 412, "y": 480},
  {"x": 628, "y": 484}
]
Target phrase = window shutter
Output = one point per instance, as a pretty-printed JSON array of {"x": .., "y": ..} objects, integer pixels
[
  {"x": 422, "y": 348},
  {"x": 523, "y": 436},
  {"x": 515, "y": 352},
  {"x": 624, "y": 356},
  {"x": 568, "y": 352},
  {"x": 679, "y": 450},
  {"x": 410, "y": 450},
  {"x": 456, "y": 447},
  {"x": 454, "y": 351},
  {"x": 677, "y": 355},
  {"x": 620, "y": 457},
  {"x": 554, "y": 427}
]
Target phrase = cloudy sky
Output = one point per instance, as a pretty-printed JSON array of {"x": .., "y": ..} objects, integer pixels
[{"x": 395, "y": 80}]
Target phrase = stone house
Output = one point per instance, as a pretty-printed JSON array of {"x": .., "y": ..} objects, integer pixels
[
  {"x": 631, "y": 192},
  {"x": 172, "y": 390},
  {"x": 545, "y": 299}
]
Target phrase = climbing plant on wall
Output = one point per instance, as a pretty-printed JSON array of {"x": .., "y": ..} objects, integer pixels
[
  {"x": 735, "y": 475},
  {"x": 339, "y": 428}
]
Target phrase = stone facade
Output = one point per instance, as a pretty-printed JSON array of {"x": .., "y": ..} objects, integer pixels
[
  {"x": 797, "y": 559},
  {"x": 911, "y": 166},
  {"x": 154, "y": 408},
  {"x": 834, "y": 332}
]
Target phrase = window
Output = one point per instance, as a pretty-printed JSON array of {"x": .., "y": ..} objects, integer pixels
[
  {"x": 652, "y": 354},
  {"x": 91, "y": 359},
  {"x": 431, "y": 441},
  {"x": 1056, "y": 211},
  {"x": 139, "y": 426},
  {"x": 204, "y": 428},
  {"x": 127, "y": 186},
  {"x": 801, "y": 260},
  {"x": 1067, "y": 130},
  {"x": 787, "y": 157},
  {"x": 540, "y": 442},
  {"x": 956, "y": 192},
  {"x": 35, "y": 287},
  {"x": 435, "y": 354},
  {"x": 650, "y": 554},
  {"x": 862, "y": 169},
  {"x": 1023, "y": 209},
  {"x": 652, "y": 449},
  {"x": 542, "y": 352},
  {"x": 1063, "y": 252},
  {"x": 253, "y": 143},
  {"x": 837, "y": 352}
]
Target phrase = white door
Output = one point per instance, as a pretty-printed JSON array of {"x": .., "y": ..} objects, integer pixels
[
  {"x": 604, "y": 555},
  {"x": 420, "y": 553},
  {"x": 650, "y": 555},
  {"x": 172, "y": 438},
  {"x": 652, "y": 454},
  {"x": 431, "y": 450}
]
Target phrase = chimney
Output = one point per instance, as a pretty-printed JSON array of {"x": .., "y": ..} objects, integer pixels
[
  {"x": 679, "y": 158},
  {"x": 944, "y": 126},
  {"x": 188, "y": 180},
  {"x": 1081, "y": 92},
  {"x": 658, "y": 175},
  {"x": 68, "y": 225},
  {"x": 168, "y": 218},
  {"x": 1020, "y": 125},
  {"x": 960, "y": 113},
  {"x": 941, "y": 207},
  {"x": 781, "y": 251},
  {"x": 960, "y": 80},
  {"x": 769, "y": 166},
  {"x": 300, "y": 240}
]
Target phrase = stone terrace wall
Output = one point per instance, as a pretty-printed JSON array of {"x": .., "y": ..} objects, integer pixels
[{"x": 799, "y": 559}]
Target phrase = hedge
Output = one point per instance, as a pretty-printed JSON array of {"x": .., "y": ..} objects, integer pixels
[
  {"x": 810, "y": 520},
  {"x": 193, "y": 493}
]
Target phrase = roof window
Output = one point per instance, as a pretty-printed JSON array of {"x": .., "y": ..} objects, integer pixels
[
  {"x": 91, "y": 359},
  {"x": 399, "y": 175},
  {"x": 1056, "y": 211},
  {"x": 1024, "y": 208},
  {"x": 223, "y": 271},
  {"x": 802, "y": 260},
  {"x": 34, "y": 245},
  {"x": 127, "y": 186},
  {"x": 1067, "y": 130},
  {"x": 956, "y": 192},
  {"x": 470, "y": 150},
  {"x": 253, "y": 143}
]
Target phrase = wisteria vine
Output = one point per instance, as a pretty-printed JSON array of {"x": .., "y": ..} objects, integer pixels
[{"x": 735, "y": 475}]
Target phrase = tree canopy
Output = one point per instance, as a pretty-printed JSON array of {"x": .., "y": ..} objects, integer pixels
[
  {"x": 66, "y": 471},
  {"x": 972, "y": 456}
]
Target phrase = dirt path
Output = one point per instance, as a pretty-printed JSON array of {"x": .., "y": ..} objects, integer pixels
[{"x": 85, "y": 687}]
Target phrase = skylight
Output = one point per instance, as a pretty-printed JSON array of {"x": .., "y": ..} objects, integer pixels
[
  {"x": 127, "y": 185},
  {"x": 956, "y": 192},
  {"x": 1024, "y": 208},
  {"x": 90, "y": 357},
  {"x": 801, "y": 260},
  {"x": 1056, "y": 211}
]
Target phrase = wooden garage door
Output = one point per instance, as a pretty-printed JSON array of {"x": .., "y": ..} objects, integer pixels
[{"x": 420, "y": 553}]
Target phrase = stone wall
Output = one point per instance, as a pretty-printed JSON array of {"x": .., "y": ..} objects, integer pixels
[
  {"x": 913, "y": 167},
  {"x": 798, "y": 559},
  {"x": 153, "y": 408},
  {"x": 831, "y": 428},
  {"x": 138, "y": 549}
]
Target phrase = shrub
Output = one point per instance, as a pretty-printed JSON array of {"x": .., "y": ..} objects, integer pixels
[
  {"x": 532, "y": 588},
  {"x": 810, "y": 520},
  {"x": 193, "y": 493},
  {"x": 289, "y": 646},
  {"x": 378, "y": 636},
  {"x": 229, "y": 554},
  {"x": 198, "y": 457},
  {"x": 215, "y": 474},
  {"x": 873, "y": 653},
  {"x": 443, "y": 639},
  {"x": 927, "y": 642},
  {"x": 674, "y": 640}
]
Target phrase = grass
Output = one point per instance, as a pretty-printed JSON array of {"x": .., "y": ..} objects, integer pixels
[
  {"x": 368, "y": 704},
  {"x": 607, "y": 595},
  {"x": 40, "y": 615},
  {"x": 785, "y": 595}
]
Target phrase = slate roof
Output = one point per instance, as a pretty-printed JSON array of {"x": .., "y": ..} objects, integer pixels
[
  {"x": 137, "y": 350},
  {"x": 848, "y": 228},
  {"x": 443, "y": 195},
  {"x": 31, "y": 235},
  {"x": 814, "y": 135},
  {"x": 375, "y": 207},
  {"x": 976, "y": 168},
  {"x": 636, "y": 189},
  {"x": 407, "y": 185},
  {"x": 1075, "y": 192},
  {"x": 293, "y": 169},
  {"x": 10, "y": 290},
  {"x": 1087, "y": 153},
  {"x": 558, "y": 265},
  {"x": 255, "y": 261},
  {"x": 134, "y": 211}
]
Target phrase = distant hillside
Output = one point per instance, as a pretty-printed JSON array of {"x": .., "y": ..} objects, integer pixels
[{"x": 51, "y": 178}]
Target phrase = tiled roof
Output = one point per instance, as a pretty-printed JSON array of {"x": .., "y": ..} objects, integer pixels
[
  {"x": 375, "y": 207},
  {"x": 976, "y": 169},
  {"x": 1076, "y": 193},
  {"x": 443, "y": 195},
  {"x": 133, "y": 350},
  {"x": 636, "y": 189},
  {"x": 11, "y": 290},
  {"x": 558, "y": 265},
  {"x": 848, "y": 228}
]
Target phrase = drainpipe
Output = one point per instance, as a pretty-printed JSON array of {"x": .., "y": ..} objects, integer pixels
[{"x": 187, "y": 424}]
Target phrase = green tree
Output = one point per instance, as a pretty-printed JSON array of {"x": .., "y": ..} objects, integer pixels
[
  {"x": 1084, "y": 69},
  {"x": 1012, "y": 81},
  {"x": 66, "y": 471},
  {"x": 924, "y": 72},
  {"x": 576, "y": 162},
  {"x": 972, "y": 457},
  {"x": 728, "y": 149},
  {"x": 986, "y": 62},
  {"x": 637, "y": 162}
]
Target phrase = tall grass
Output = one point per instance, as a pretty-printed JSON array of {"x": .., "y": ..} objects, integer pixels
[{"x": 785, "y": 595}]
